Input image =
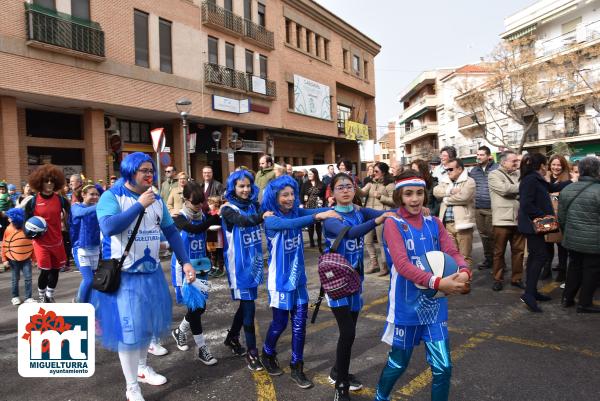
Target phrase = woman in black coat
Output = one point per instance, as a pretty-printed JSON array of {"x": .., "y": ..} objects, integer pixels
[{"x": 534, "y": 195}]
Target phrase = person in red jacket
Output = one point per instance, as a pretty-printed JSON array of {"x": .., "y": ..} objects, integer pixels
[{"x": 49, "y": 247}]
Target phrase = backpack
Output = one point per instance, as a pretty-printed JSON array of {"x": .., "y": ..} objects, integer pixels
[{"x": 338, "y": 278}]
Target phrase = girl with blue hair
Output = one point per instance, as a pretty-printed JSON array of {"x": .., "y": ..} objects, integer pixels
[
  {"x": 141, "y": 308},
  {"x": 288, "y": 296},
  {"x": 242, "y": 248}
]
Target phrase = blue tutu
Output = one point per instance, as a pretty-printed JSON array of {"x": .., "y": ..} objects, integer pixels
[{"x": 140, "y": 310}]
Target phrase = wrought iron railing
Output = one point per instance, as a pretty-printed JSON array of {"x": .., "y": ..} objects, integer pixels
[
  {"x": 218, "y": 16},
  {"x": 218, "y": 75},
  {"x": 48, "y": 26},
  {"x": 259, "y": 34}
]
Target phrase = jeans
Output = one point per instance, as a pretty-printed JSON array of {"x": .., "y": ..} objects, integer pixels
[
  {"x": 538, "y": 256},
  {"x": 16, "y": 268}
]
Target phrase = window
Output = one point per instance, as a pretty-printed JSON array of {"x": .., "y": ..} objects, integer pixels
[
  {"x": 46, "y": 124},
  {"x": 343, "y": 114},
  {"x": 249, "y": 61},
  {"x": 345, "y": 58},
  {"x": 140, "y": 21},
  {"x": 263, "y": 66},
  {"x": 317, "y": 50},
  {"x": 261, "y": 15},
  {"x": 326, "y": 49},
  {"x": 298, "y": 34},
  {"x": 291, "y": 96},
  {"x": 288, "y": 30},
  {"x": 80, "y": 9},
  {"x": 45, "y": 3},
  {"x": 356, "y": 64},
  {"x": 230, "y": 56},
  {"x": 307, "y": 41},
  {"x": 134, "y": 131},
  {"x": 164, "y": 36},
  {"x": 570, "y": 26},
  {"x": 213, "y": 50},
  {"x": 365, "y": 69},
  {"x": 228, "y": 5},
  {"x": 248, "y": 9}
]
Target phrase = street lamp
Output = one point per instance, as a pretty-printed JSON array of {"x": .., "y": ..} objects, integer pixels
[
  {"x": 233, "y": 138},
  {"x": 184, "y": 107}
]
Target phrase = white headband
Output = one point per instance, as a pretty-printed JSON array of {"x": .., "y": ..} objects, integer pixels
[{"x": 410, "y": 182}]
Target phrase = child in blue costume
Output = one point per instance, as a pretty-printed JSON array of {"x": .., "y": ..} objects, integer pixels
[
  {"x": 412, "y": 314},
  {"x": 346, "y": 309},
  {"x": 85, "y": 239},
  {"x": 193, "y": 225},
  {"x": 141, "y": 308},
  {"x": 288, "y": 296},
  {"x": 242, "y": 248}
]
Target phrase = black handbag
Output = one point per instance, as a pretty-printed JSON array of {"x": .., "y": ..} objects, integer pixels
[{"x": 108, "y": 275}]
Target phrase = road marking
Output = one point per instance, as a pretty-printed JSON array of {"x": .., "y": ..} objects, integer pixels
[
  {"x": 424, "y": 378},
  {"x": 265, "y": 391},
  {"x": 555, "y": 347}
]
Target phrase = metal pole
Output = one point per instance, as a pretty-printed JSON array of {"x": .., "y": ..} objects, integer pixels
[
  {"x": 186, "y": 166},
  {"x": 159, "y": 184}
]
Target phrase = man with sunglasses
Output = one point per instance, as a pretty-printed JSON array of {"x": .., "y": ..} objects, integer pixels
[
  {"x": 456, "y": 190},
  {"x": 169, "y": 183}
]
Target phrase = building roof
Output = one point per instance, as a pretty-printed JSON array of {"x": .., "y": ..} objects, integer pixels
[
  {"x": 468, "y": 69},
  {"x": 384, "y": 138}
]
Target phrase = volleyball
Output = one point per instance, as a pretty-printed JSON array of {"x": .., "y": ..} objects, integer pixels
[
  {"x": 35, "y": 227},
  {"x": 439, "y": 264}
]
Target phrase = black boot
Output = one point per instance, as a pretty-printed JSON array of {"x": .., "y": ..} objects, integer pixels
[
  {"x": 298, "y": 376},
  {"x": 234, "y": 343}
]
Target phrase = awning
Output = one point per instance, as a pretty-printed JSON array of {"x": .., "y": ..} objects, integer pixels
[
  {"x": 469, "y": 160},
  {"x": 66, "y": 17},
  {"x": 522, "y": 32},
  {"x": 582, "y": 150},
  {"x": 415, "y": 115}
]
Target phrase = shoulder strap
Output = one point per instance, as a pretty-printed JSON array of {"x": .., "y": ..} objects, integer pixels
[
  {"x": 132, "y": 237},
  {"x": 339, "y": 238},
  {"x": 506, "y": 175},
  {"x": 575, "y": 197}
]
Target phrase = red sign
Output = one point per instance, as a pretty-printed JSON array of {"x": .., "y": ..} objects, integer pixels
[{"x": 259, "y": 109}]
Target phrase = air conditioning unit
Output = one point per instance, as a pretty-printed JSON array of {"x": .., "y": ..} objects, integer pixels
[{"x": 110, "y": 123}]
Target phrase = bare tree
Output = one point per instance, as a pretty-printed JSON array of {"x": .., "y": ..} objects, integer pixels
[{"x": 516, "y": 90}]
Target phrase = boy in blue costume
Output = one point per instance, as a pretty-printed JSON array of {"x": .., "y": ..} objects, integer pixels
[{"x": 288, "y": 296}]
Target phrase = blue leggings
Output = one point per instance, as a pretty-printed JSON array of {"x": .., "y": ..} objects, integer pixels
[
  {"x": 279, "y": 323},
  {"x": 244, "y": 316},
  {"x": 438, "y": 357},
  {"x": 85, "y": 288}
]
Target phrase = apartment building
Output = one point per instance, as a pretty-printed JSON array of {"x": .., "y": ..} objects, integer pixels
[
  {"x": 82, "y": 83},
  {"x": 387, "y": 144},
  {"x": 559, "y": 28}
]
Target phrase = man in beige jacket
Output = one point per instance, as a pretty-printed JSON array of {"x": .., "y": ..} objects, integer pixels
[
  {"x": 504, "y": 194},
  {"x": 456, "y": 190}
]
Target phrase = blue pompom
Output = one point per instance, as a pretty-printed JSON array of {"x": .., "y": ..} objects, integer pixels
[{"x": 193, "y": 297}]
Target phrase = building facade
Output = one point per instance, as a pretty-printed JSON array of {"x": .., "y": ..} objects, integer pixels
[{"x": 83, "y": 82}]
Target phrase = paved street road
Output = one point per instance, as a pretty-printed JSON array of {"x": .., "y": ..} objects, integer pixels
[{"x": 500, "y": 352}]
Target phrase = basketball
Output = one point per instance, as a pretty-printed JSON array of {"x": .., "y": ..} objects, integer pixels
[
  {"x": 35, "y": 227},
  {"x": 18, "y": 246},
  {"x": 439, "y": 264}
]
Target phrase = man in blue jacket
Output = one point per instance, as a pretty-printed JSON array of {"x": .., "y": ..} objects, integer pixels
[{"x": 483, "y": 206}]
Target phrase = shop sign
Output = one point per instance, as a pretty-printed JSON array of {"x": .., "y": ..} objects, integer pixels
[
  {"x": 311, "y": 98},
  {"x": 356, "y": 131},
  {"x": 259, "y": 85},
  {"x": 229, "y": 105}
]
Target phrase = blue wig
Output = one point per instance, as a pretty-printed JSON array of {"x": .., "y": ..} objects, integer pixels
[
  {"x": 234, "y": 178},
  {"x": 130, "y": 166},
  {"x": 269, "y": 201},
  {"x": 16, "y": 216}
]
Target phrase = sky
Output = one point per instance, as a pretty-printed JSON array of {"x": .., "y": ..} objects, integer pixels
[{"x": 420, "y": 35}]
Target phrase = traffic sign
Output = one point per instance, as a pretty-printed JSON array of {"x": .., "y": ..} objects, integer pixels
[{"x": 158, "y": 139}]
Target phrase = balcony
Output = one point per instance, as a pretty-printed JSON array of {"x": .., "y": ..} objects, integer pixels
[
  {"x": 63, "y": 33},
  {"x": 419, "y": 108},
  {"x": 258, "y": 35},
  {"x": 468, "y": 122},
  {"x": 237, "y": 81},
  {"x": 222, "y": 19},
  {"x": 419, "y": 132},
  {"x": 583, "y": 33}
]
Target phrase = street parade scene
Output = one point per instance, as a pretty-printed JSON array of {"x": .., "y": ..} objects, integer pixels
[{"x": 281, "y": 200}]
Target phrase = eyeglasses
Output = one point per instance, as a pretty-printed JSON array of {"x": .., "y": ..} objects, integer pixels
[
  {"x": 146, "y": 171},
  {"x": 168, "y": 171},
  {"x": 347, "y": 187}
]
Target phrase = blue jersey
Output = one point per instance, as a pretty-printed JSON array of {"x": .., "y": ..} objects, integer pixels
[
  {"x": 84, "y": 228},
  {"x": 143, "y": 256},
  {"x": 351, "y": 248},
  {"x": 286, "y": 259},
  {"x": 242, "y": 251},
  {"x": 195, "y": 244},
  {"x": 408, "y": 305}
]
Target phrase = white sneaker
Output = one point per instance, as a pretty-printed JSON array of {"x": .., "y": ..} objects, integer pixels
[
  {"x": 134, "y": 393},
  {"x": 157, "y": 349},
  {"x": 16, "y": 301},
  {"x": 30, "y": 301},
  {"x": 148, "y": 375},
  {"x": 562, "y": 286}
]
